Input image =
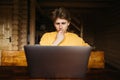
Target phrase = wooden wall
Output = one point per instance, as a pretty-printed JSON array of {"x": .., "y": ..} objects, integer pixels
[
  {"x": 108, "y": 35},
  {"x": 14, "y": 17},
  {"x": 13, "y": 24},
  {"x": 19, "y": 24}
]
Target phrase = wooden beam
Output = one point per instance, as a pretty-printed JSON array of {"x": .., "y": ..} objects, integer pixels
[
  {"x": 76, "y": 4},
  {"x": 75, "y": 26},
  {"x": 32, "y": 22}
]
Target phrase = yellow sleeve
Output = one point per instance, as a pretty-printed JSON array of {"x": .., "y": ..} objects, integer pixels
[
  {"x": 84, "y": 43},
  {"x": 80, "y": 41},
  {"x": 45, "y": 40}
]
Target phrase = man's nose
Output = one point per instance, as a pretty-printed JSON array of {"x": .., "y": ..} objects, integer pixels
[{"x": 60, "y": 26}]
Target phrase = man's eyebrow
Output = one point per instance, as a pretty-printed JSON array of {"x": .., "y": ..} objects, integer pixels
[{"x": 60, "y": 22}]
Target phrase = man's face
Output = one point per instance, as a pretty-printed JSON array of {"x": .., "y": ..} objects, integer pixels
[{"x": 61, "y": 24}]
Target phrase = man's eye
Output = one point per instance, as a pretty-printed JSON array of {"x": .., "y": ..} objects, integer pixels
[
  {"x": 57, "y": 23},
  {"x": 63, "y": 22}
]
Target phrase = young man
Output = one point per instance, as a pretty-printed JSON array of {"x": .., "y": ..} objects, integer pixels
[{"x": 61, "y": 37}]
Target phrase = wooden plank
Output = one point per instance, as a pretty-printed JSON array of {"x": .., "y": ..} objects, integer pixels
[
  {"x": 76, "y": 4},
  {"x": 96, "y": 60},
  {"x": 13, "y": 58}
]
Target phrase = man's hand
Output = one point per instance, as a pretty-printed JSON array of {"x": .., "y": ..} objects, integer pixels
[{"x": 59, "y": 37}]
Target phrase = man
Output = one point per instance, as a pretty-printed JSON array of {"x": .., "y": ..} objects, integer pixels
[{"x": 61, "y": 37}]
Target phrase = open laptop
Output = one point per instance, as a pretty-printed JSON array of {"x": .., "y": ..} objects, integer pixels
[{"x": 57, "y": 61}]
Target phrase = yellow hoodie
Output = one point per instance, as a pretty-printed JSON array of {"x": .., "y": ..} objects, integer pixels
[{"x": 70, "y": 39}]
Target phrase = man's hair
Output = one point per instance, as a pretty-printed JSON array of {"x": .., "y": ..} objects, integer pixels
[{"x": 61, "y": 13}]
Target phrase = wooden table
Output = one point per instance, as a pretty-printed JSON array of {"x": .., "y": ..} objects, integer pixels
[{"x": 17, "y": 58}]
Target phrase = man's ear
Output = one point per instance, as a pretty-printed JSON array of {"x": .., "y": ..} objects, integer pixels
[{"x": 68, "y": 23}]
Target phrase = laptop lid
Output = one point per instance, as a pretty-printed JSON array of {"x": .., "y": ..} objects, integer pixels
[{"x": 57, "y": 61}]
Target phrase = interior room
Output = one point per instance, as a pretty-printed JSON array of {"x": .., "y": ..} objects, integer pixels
[{"x": 97, "y": 22}]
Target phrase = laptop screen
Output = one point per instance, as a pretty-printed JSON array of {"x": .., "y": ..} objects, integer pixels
[{"x": 57, "y": 61}]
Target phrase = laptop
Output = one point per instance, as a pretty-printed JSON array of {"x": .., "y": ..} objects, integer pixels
[{"x": 57, "y": 61}]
